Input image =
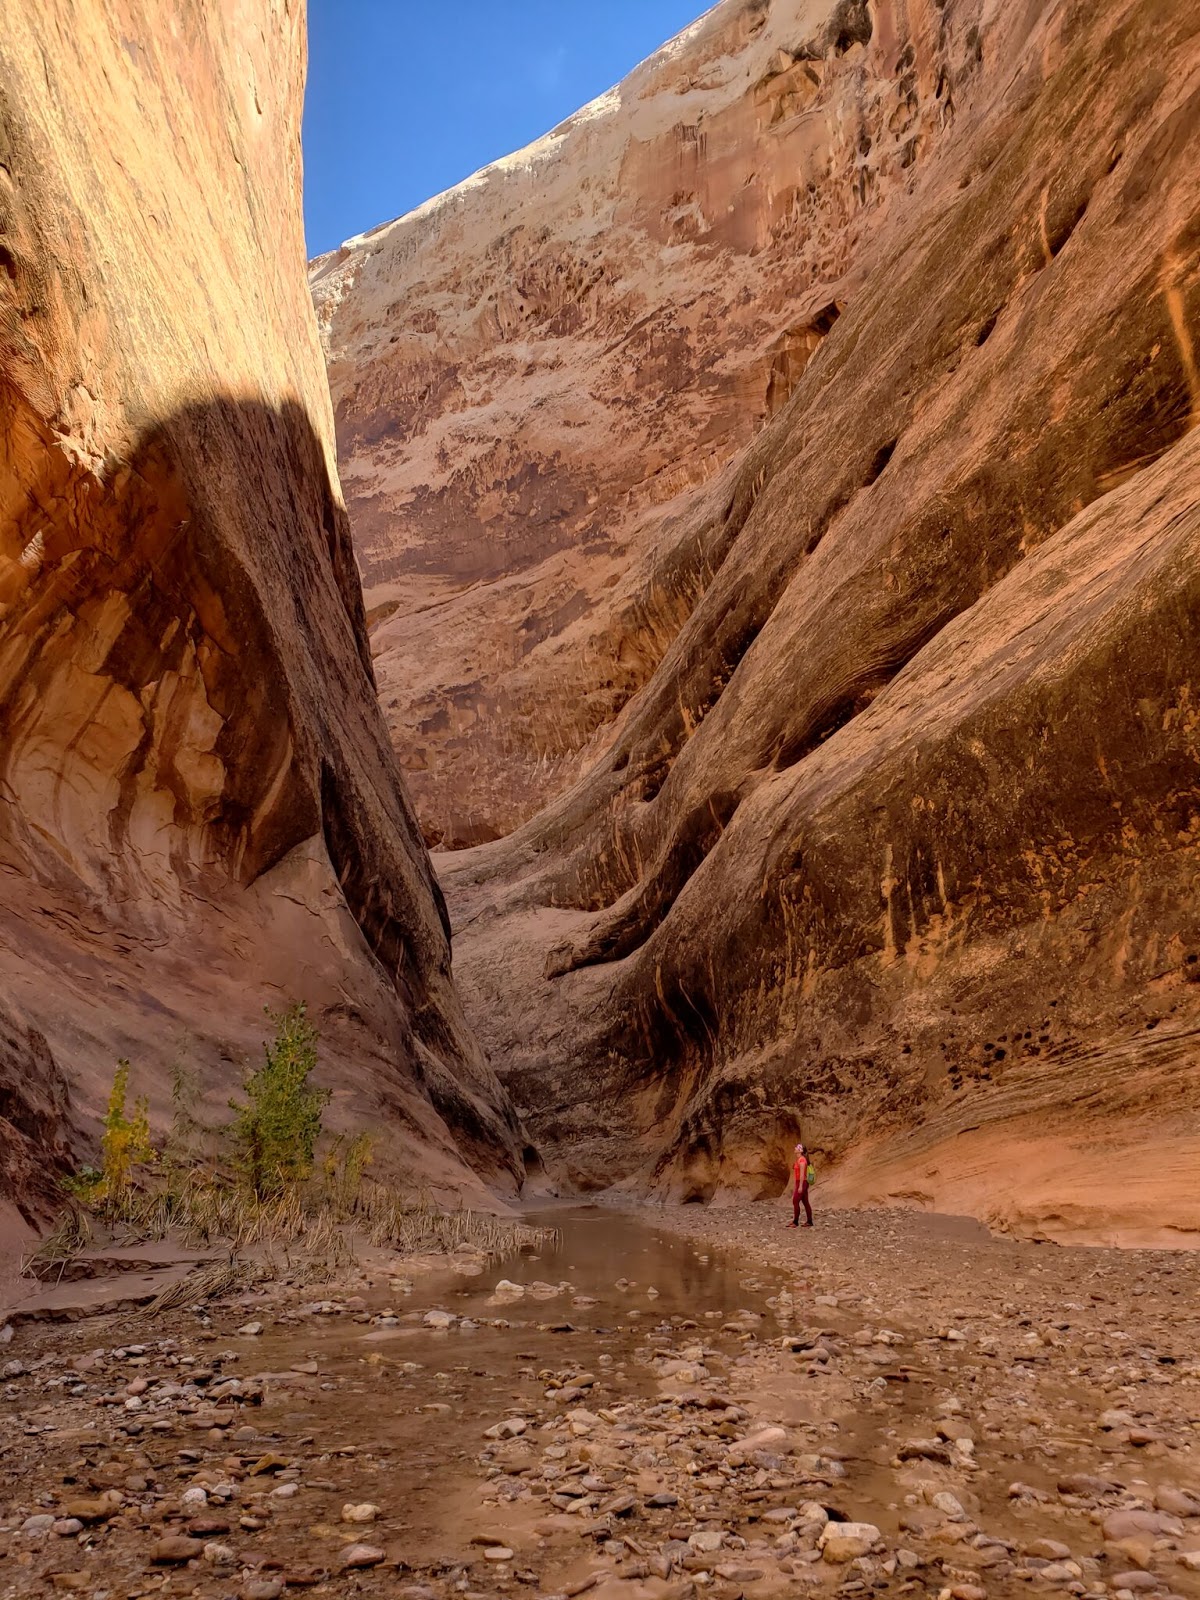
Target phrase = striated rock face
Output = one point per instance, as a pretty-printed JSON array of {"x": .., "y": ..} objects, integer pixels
[
  {"x": 536, "y": 373},
  {"x": 200, "y": 812},
  {"x": 896, "y": 841}
]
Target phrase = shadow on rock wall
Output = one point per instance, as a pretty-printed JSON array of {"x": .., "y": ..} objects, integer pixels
[{"x": 186, "y": 696}]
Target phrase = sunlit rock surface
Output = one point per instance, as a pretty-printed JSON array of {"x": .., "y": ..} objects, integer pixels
[
  {"x": 199, "y": 810},
  {"x": 799, "y": 445},
  {"x": 537, "y": 373}
]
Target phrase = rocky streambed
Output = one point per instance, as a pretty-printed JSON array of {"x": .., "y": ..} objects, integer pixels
[{"x": 888, "y": 1404}]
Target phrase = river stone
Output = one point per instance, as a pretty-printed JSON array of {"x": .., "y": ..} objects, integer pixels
[
  {"x": 510, "y": 1428},
  {"x": 1048, "y": 1550},
  {"x": 706, "y": 1541},
  {"x": 1131, "y": 1552},
  {"x": 619, "y": 1506},
  {"x": 545, "y": 1291},
  {"x": 362, "y": 1555},
  {"x": 206, "y": 1527},
  {"x": 365, "y": 1512},
  {"x": 1176, "y": 1502},
  {"x": 956, "y": 1432},
  {"x": 560, "y": 1522},
  {"x": 174, "y": 1550},
  {"x": 1061, "y": 1572},
  {"x": 1109, "y": 1420},
  {"x": 92, "y": 1510},
  {"x": 846, "y": 1541},
  {"x": 951, "y": 1532},
  {"x": 1085, "y": 1484},
  {"x": 924, "y": 1450},
  {"x": 1134, "y": 1524},
  {"x": 922, "y": 1520},
  {"x": 771, "y": 1439},
  {"x": 949, "y": 1505}
]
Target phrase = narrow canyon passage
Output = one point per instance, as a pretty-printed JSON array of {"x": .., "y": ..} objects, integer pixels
[
  {"x": 682, "y": 643},
  {"x": 889, "y": 1405}
]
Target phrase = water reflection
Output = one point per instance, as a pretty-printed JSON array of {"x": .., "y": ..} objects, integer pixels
[{"x": 597, "y": 1249}]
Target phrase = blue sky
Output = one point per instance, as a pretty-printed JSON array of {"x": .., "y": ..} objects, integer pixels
[{"x": 407, "y": 97}]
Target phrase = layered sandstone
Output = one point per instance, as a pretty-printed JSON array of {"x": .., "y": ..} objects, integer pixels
[
  {"x": 201, "y": 814},
  {"x": 895, "y": 842},
  {"x": 536, "y": 374}
]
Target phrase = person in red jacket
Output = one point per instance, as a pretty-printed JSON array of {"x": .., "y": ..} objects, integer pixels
[{"x": 800, "y": 1188}]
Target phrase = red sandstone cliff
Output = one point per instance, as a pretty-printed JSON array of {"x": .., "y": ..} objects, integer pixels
[
  {"x": 796, "y": 450},
  {"x": 536, "y": 373},
  {"x": 199, "y": 810}
]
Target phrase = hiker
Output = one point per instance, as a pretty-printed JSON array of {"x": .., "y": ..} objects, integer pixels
[{"x": 800, "y": 1188}]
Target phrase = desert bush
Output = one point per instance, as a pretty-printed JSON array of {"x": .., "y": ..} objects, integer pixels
[
  {"x": 275, "y": 1133},
  {"x": 256, "y": 1192}
]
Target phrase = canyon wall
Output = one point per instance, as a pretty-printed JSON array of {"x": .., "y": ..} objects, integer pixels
[
  {"x": 536, "y": 375},
  {"x": 849, "y": 601},
  {"x": 200, "y": 814}
]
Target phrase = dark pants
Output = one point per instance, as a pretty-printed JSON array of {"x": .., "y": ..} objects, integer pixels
[{"x": 800, "y": 1198}]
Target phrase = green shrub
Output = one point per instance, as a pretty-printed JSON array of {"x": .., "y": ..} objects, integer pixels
[
  {"x": 275, "y": 1133},
  {"x": 86, "y": 1185}
]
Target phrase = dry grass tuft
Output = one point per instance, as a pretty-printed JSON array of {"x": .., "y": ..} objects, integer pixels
[
  {"x": 70, "y": 1236},
  {"x": 206, "y": 1283},
  {"x": 254, "y": 1187},
  {"x": 309, "y": 1233},
  {"x": 418, "y": 1228}
]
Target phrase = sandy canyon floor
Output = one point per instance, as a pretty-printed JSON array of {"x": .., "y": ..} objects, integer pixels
[{"x": 699, "y": 1402}]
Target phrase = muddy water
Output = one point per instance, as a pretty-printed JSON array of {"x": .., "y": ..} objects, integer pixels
[
  {"x": 399, "y": 1411},
  {"x": 684, "y": 1420}
]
